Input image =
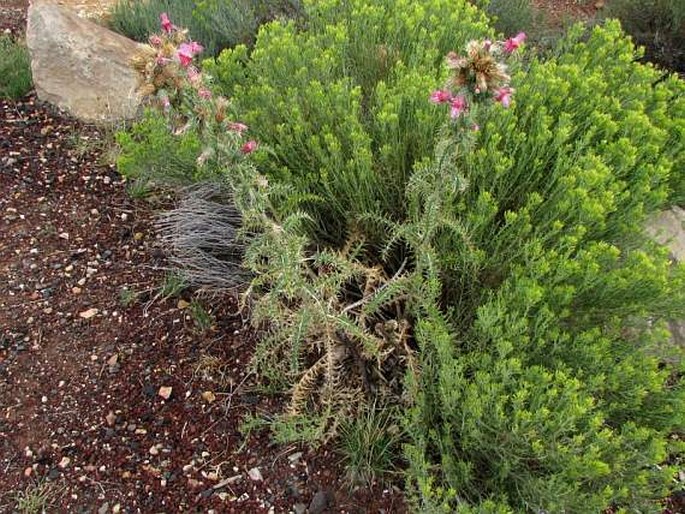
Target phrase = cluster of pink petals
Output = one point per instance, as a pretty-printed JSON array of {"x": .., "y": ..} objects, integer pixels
[
  {"x": 155, "y": 40},
  {"x": 440, "y": 96},
  {"x": 187, "y": 51},
  {"x": 205, "y": 94},
  {"x": 167, "y": 26},
  {"x": 458, "y": 103},
  {"x": 458, "y": 106},
  {"x": 249, "y": 147},
  {"x": 512, "y": 44},
  {"x": 503, "y": 95}
]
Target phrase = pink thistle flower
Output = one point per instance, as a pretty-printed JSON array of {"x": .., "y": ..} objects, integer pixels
[
  {"x": 161, "y": 60},
  {"x": 167, "y": 26},
  {"x": 186, "y": 52},
  {"x": 503, "y": 96},
  {"x": 155, "y": 40},
  {"x": 487, "y": 44},
  {"x": 235, "y": 126},
  {"x": 440, "y": 96},
  {"x": 249, "y": 147},
  {"x": 205, "y": 94},
  {"x": 196, "y": 48},
  {"x": 166, "y": 104},
  {"x": 512, "y": 44},
  {"x": 458, "y": 106}
]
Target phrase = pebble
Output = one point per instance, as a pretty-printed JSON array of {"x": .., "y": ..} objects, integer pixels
[
  {"x": 321, "y": 500},
  {"x": 255, "y": 475},
  {"x": 165, "y": 392},
  {"x": 154, "y": 450},
  {"x": 103, "y": 509},
  {"x": 64, "y": 462},
  {"x": 28, "y": 471}
]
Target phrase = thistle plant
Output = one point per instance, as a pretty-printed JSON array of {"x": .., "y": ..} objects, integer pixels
[{"x": 170, "y": 81}]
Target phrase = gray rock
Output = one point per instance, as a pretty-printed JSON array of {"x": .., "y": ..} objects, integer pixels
[
  {"x": 320, "y": 502},
  {"x": 80, "y": 66},
  {"x": 668, "y": 228}
]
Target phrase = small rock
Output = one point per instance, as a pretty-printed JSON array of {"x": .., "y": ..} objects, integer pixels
[
  {"x": 154, "y": 450},
  {"x": 64, "y": 235},
  {"x": 76, "y": 290},
  {"x": 208, "y": 396},
  {"x": 116, "y": 509},
  {"x": 89, "y": 313},
  {"x": 182, "y": 304},
  {"x": 28, "y": 471},
  {"x": 294, "y": 457},
  {"x": 111, "y": 418},
  {"x": 165, "y": 392},
  {"x": 104, "y": 509},
  {"x": 112, "y": 361},
  {"x": 64, "y": 462},
  {"x": 321, "y": 501},
  {"x": 255, "y": 475}
]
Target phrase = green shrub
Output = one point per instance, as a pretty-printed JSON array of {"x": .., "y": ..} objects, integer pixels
[
  {"x": 15, "y": 68},
  {"x": 218, "y": 24},
  {"x": 658, "y": 25},
  {"x": 343, "y": 104},
  {"x": 529, "y": 280},
  {"x": 539, "y": 387},
  {"x": 150, "y": 152}
]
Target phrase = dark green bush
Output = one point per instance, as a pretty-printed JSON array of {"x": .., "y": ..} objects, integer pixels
[
  {"x": 658, "y": 25},
  {"x": 15, "y": 68},
  {"x": 218, "y": 24}
]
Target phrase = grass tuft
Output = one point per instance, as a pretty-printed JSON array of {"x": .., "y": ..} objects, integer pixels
[{"x": 15, "y": 69}]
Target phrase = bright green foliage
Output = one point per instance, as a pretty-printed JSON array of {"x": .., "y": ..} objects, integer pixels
[
  {"x": 344, "y": 104},
  {"x": 218, "y": 24},
  {"x": 15, "y": 69},
  {"x": 540, "y": 388},
  {"x": 151, "y": 153}
]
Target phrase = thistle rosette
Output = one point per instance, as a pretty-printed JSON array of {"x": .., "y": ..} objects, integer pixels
[{"x": 479, "y": 76}]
